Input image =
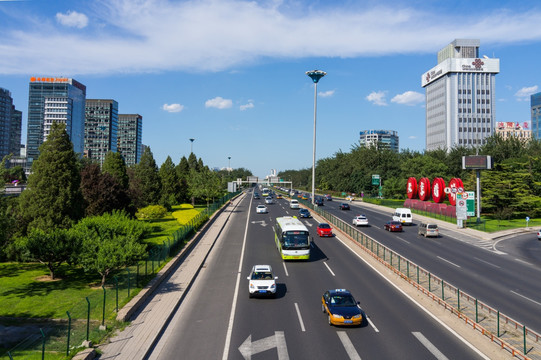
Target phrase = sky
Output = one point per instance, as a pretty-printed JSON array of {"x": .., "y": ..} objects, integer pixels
[{"x": 231, "y": 74}]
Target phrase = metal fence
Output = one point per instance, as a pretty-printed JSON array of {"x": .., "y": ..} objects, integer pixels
[
  {"x": 92, "y": 317},
  {"x": 507, "y": 333}
]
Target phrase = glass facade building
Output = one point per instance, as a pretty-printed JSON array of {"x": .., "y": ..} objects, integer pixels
[
  {"x": 101, "y": 128},
  {"x": 460, "y": 97},
  {"x": 55, "y": 99},
  {"x": 386, "y": 139},
  {"x": 535, "y": 104},
  {"x": 130, "y": 137},
  {"x": 6, "y": 111}
]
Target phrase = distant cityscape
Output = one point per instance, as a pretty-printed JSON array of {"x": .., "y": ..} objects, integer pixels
[{"x": 460, "y": 111}]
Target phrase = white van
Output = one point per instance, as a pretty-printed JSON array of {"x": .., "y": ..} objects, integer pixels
[
  {"x": 403, "y": 215},
  {"x": 294, "y": 204}
]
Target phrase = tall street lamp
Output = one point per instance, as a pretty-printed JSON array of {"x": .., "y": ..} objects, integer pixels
[
  {"x": 229, "y": 166},
  {"x": 315, "y": 75},
  {"x": 191, "y": 145}
]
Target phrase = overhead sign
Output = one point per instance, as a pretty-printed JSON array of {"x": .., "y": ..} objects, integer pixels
[{"x": 375, "y": 180}]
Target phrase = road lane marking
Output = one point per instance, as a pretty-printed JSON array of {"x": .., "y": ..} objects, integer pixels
[
  {"x": 428, "y": 313},
  {"x": 285, "y": 268},
  {"x": 406, "y": 241},
  {"x": 328, "y": 268},
  {"x": 452, "y": 263},
  {"x": 427, "y": 344},
  {"x": 527, "y": 298},
  {"x": 278, "y": 341},
  {"x": 300, "y": 317},
  {"x": 348, "y": 345},
  {"x": 524, "y": 262},
  {"x": 236, "y": 293},
  {"x": 372, "y": 324},
  {"x": 486, "y": 262}
]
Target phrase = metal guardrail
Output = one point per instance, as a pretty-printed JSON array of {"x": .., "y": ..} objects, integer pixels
[{"x": 501, "y": 329}]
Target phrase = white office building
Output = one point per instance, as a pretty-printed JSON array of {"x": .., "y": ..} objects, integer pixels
[{"x": 460, "y": 97}]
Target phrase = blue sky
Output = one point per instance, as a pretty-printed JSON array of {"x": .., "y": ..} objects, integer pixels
[{"x": 231, "y": 73}]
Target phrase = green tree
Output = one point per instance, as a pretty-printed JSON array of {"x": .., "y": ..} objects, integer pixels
[
  {"x": 183, "y": 173},
  {"x": 205, "y": 185},
  {"x": 53, "y": 198},
  {"x": 50, "y": 248},
  {"x": 146, "y": 173},
  {"x": 115, "y": 165},
  {"x": 110, "y": 242},
  {"x": 170, "y": 184}
]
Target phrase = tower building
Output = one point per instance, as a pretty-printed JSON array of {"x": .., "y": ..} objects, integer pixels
[
  {"x": 101, "y": 128},
  {"x": 130, "y": 137},
  {"x": 460, "y": 97}
]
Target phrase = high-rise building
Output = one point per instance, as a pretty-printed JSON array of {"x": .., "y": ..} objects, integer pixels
[
  {"x": 460, "y": 97},
  {"x": 535, "y": 104},
  {"x": 55, "y": 99},
  {"x": 15, "y": 132},
  {"x": 6, "y": 114},
  {"x": 130, "y": 137},
  {"x": 386, "y": 139},
  {"x": 101, "y": 127}
]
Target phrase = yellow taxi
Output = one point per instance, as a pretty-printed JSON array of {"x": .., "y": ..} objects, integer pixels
[{"x": 341, "y": 308}]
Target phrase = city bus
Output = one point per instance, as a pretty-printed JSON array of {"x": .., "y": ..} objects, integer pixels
[{"x": 292, "y": 238}]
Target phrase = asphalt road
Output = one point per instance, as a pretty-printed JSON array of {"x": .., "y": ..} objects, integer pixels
[
  {"x": 503, "y": 274},
  {"x": 218, "y": 320}
]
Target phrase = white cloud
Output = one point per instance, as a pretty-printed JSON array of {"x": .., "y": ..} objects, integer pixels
[
  {"x": 377, "y": 98},
  {"x": 524, "y": 93},
  {"x": 409, "y": 98},
  {"x": 173, "y": 108},
  {"x": 325, "y": 94},
  {"x": 219, "y": 103},
  {"x": 249, "y": 105},
  {"x": 216, "y": 35},
  {"x": 412, "y": 137},
  {"x": 72, "y": 19}
]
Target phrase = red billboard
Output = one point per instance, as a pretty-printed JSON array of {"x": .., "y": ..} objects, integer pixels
[
  {"x": 424, "y": 189},
  {"x": 412, "y": 188}
]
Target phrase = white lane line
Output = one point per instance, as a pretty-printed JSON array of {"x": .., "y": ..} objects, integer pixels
[
  {"x": 285, "y": 268},
  {"x": 524, "y": 262},
  {"x": 235, "y": 294},
  {"x": 527, "y": 298},
  {"x": 406, "y": 241},
  {"x": 421, "y": 307},
  {"x": 328, "y": 268},
  {"x": 300, "y": 317},
  {"x": 452, "y": 263},
  {"x": 372, "y": 324},
  {"x": 486, "y": 262},
  {"x": 348, "y": 345},
  {"x": 434, "y": 350}
]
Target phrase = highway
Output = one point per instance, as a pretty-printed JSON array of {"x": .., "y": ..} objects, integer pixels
[
  {"x": 217, "y": 319},
  {"x": 504, "y": 275}
]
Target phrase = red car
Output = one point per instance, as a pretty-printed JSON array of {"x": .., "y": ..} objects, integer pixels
[
  {"x": 392, "y": 226},
  {"x": 324, "y": 229}
]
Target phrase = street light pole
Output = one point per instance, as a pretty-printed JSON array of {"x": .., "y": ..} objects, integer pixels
[
  {"x": 191, "y": 145},
  {"x": 229, "y": 166},
  {"x": 315, "y": 75}
]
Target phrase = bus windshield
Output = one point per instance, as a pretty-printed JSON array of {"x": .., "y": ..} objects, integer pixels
[{"x": 295, "y": 240}]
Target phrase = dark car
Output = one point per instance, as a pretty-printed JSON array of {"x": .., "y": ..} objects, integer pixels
[
  {"x": 318, "y": 202},
  {"x": 341, "y": 308},
  {"x": 344, "y": 206},
  {"x": 256, "y": 196},
  {"x": 304, "y": 213},
  {"x": 393, "y": 226},
  {"x": 328, "y": 197}
]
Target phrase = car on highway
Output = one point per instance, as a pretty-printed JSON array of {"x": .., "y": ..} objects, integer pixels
[
  {"x": 341, "y": 308},
  {"x": 328, "y": 197},
  {"x": 539, "y": 235},
  {"x": 350, "y": 198},
  {"x": 268, "y": 200},
  {"x": 305, "y": 196},
  {"x": 261, "y": 209},
  {"x": 344, "y": 206},
  {"x": 318, "y": 202},
  {"x": 324, "y": 229},
  {"x": 360, "y": 220},
  {"x": 262, "y": 281},
  {"x": 428, "y": 229},
  {"x": 256, "y": 196},
  {"x": 393, "y": 226},
  {"x": 294, "y": 204},
  {"x": 278, "y": 196},
  {"x": 292, "y": 193},
  {"x": 304, "y": 213}
]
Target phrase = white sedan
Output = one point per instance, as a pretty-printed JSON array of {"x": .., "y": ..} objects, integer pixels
[
  {"x": 360, "y": 220},
  {"x": 261, "y": 209}
]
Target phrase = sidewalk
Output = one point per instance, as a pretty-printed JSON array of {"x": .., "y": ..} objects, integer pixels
[
  {"x": 481, "y": 235},
  {"x": 151, "y": 317}
]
